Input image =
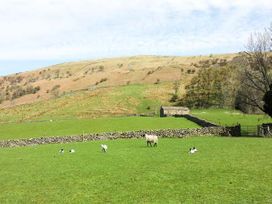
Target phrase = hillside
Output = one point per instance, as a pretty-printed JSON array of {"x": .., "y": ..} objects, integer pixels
[{"x": 87, "y": 89}]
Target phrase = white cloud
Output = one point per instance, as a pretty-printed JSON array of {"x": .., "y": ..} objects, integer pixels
[{"x": 69, "y": 29}]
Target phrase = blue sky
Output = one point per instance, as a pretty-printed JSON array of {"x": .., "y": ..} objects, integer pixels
[{"x": 40, "y": 33}]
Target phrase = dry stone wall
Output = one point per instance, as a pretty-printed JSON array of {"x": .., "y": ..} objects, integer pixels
[
  {"x": 166, "y": 133},
  {"x": 200, "y": 122}
]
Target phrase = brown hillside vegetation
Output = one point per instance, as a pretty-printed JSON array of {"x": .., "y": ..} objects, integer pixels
[
  {"x": 98, "y": 80},
  {"x": 89, "y": 75}
]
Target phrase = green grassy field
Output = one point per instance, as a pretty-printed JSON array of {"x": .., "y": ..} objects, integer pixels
[
  {"x": 224, "y": 170},
  {"x": 231, "y": 117},
  {"x": 113, "y": 124},
  {"x": 83, "y": 126}
]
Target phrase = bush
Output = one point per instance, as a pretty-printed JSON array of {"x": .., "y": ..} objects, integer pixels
[
  {"x": 157, "y": 82},
  {"x": 174, "y": 98},
  {"x": 103, "y": 79},
  {"x": 120, "y": 65},
  {"x": 55, "y": 87},
  {"x": 19, "y": 91}
]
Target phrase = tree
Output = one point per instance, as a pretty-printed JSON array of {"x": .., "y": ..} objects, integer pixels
[
  {"x": 268, "y": 102},
  {"x": 256, "y": 73},
  {"x": 174, "y": 97},
  {"x": 212, "y": 87}
]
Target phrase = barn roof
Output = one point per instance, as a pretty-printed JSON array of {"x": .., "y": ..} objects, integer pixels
[{"x": 175, "y": 107}]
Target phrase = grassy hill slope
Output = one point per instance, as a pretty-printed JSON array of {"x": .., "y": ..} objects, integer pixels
[
  {"x": 114, "y": 101},
  {"x": 98, "y": 88}
]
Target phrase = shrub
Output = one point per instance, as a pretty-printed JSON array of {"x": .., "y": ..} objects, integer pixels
[
  {"x": 103, "y": 79},
  {"x": 157, "y": 82},
  {"x": 55, "y": 87},
  {"x": 55, "y": 90},
  {"x": 76, "y": 79},
  {"x": 150, "y": 72},
  {"x": 19, "y": 91},
  {"x": 32, "y": 80},
  {"x": 222, "y": 62},
  {"x": 174, "y": 98}
]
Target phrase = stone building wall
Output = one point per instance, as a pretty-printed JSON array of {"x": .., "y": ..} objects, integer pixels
[{"x": 173, "y": 111}]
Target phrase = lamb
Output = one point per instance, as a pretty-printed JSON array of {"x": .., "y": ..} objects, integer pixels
[
  {"x": 151, "y": 139},
  {"x": 72, "y": 151},
  {"x": 192, "y": 150},
  {"x": 104, "y": 148}
]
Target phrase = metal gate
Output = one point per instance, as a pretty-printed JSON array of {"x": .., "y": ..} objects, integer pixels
[{"x": 249, "y": 130}]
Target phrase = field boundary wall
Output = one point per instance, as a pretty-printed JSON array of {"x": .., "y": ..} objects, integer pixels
[{"x": 165, "y": 133}]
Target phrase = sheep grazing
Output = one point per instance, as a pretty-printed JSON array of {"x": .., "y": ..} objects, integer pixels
[
  {"x": 72, "y": 151},
  {"x": 192, "y": 150},
  {"x": 104, "y": 148},
  {"x": 151, "y": 139},
  {"x": 61, "y": 151}
]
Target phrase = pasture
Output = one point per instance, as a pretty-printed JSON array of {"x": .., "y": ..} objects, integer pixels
[
  {"x": 224, "y": 170},
  {"x": 231, "y": 117},
  {"x": 83, "y": 126}
]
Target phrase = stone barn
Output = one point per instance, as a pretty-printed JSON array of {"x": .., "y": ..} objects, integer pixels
[{"x": 174, "y": 111}]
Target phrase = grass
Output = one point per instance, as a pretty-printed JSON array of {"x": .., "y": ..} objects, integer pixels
[
  {"x": 231, "y": 117},
  {"x": 75, "y": 126},
  {"x": 224, "y": 170},
  {"x": 103, "y": 102},
  {"x": 60, "y": 127}
]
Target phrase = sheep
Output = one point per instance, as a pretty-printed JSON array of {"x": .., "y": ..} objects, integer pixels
[
  {"x": 61, "y": 151},
  {"x": 151, "y": 139},
  {"x": 104, "y": 147},
  {"x": 192, "y": 150},
  {"x": 72, "y": 151}
]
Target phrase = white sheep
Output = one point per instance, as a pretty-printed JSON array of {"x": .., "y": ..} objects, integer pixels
[
  {"x": 151, "y": 139},
  {"x": 104, "y": 148},
  {"x": 72, "y": 151},
  {"x": 61, "y": 151},
  {"x": 192, "y": 150}
]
